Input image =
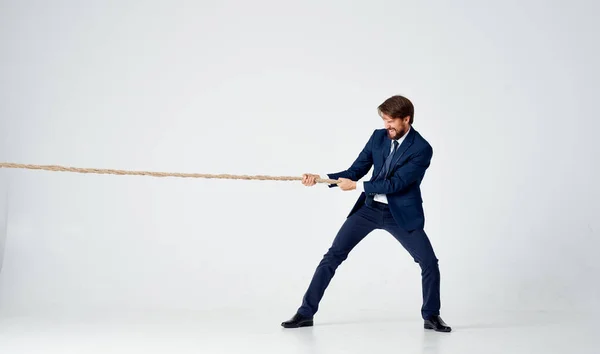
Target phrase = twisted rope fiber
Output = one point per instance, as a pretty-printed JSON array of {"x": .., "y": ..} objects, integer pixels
[{"x": 57, "y": 168}]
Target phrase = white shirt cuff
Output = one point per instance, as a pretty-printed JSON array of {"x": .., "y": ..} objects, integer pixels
[{"x": 360, "y": 186}]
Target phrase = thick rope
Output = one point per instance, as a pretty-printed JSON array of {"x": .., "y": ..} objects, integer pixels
[{"x": 56, "y": 168}]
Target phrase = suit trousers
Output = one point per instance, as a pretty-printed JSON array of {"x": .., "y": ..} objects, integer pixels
[{"x": 369, "y": 217}]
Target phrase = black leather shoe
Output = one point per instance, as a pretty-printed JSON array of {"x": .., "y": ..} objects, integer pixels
[
  {"x": 298, "y": 321},
  {"x": 436, "y": 323}
]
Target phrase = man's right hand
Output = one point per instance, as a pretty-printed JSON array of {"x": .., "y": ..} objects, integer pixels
[{"x": 309, "y": 179}]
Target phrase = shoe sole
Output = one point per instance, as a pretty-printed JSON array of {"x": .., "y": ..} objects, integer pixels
[
  {"x": 302, "y": 324},
  {"x": 437, "y": 330}
]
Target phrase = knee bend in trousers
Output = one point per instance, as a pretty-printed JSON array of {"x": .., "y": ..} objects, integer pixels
[
  {"x": 333, "y": 258},
  {"x": 429, "y": 264}
]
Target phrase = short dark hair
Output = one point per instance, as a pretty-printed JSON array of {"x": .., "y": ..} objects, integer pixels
[{"x": 397, "y": 107}]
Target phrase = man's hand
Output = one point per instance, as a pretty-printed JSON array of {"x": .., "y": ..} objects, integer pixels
[
  {"x": 346, "y": 184},
  {"x": 309, "y": 179}
]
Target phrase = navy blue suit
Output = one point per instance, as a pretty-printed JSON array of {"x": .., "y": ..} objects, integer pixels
[{"x": 402, "y": 217}]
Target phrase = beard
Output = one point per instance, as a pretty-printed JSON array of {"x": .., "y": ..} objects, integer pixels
[{"x": 395, "y": 134}]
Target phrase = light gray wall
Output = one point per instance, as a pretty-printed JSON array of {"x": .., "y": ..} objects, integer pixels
[
  {"x": 4, "y": 175},
  {"x": 505, "y": 91},
  {"x": 4, "y": 200}
]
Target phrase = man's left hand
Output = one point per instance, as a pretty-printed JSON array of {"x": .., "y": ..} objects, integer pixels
[{"x": 346, "y": 184}]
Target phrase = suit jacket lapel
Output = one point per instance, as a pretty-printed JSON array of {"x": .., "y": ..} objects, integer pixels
[
  {"x": 385, "y": 151},
  {"x": 387, "y": 148}
]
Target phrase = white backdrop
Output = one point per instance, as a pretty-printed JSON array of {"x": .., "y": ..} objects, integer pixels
[{"x": 505, "y": 93}]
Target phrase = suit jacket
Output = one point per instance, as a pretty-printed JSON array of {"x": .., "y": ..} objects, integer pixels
[{"x": 402, "y": 182}]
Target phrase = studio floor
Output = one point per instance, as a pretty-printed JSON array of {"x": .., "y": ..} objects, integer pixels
[{"x": 244, "y": 332}]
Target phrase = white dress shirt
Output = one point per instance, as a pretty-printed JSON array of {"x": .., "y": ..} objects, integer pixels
[{"x": 360, "y": 186}]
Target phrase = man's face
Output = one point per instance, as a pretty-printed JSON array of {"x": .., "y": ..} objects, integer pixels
[{"x": 396, "y": 127}]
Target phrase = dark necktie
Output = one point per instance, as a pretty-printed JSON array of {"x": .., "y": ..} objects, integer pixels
[{"x": 388, "y": 161}]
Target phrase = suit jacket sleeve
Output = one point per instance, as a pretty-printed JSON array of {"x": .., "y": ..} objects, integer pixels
[
  {"x": 409, "y": 173},
  {"x": 361, "y": 165}
]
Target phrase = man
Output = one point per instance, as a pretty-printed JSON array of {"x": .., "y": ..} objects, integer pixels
[{"x": 390, "y": 200}]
